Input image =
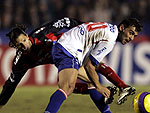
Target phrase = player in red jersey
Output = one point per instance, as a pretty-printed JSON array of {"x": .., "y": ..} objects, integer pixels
[{"x": 32, "y": 50}]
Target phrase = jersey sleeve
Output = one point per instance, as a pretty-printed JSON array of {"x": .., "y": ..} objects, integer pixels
[
  {"x": 106, "y": 43},
  {"x": 11, "y": 83},
  {"x": 100, "y": 51},
  {"x": 56, "y": 25},
  {"x": 74, "y": 22},
  {"x": 51, "y": 31}
]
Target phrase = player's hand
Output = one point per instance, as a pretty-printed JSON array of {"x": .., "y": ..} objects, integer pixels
[{"x": 104, "y": 91}]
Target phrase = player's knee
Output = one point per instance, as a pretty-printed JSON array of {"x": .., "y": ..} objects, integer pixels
[
  {"x": 68, "y": 88},
  {"x": 71, "y": 86}
]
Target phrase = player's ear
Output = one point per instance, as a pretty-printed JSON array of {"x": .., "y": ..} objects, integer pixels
[{"x": 121, "y": 27}]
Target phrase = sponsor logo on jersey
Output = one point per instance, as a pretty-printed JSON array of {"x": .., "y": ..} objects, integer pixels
[
  {"x": 62, "y": 23},
  {"x": 81, "y": 29},
  {"x": 112, "y": 28},
  {"x": 17, "y": 57},
  {"x": 101, "y": 50}
]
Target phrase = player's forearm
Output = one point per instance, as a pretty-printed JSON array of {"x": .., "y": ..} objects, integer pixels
[
  {"x": 9, "y": 87},
  {"x": 90, "y": 69},
  {"x": 7, "y": 91}
]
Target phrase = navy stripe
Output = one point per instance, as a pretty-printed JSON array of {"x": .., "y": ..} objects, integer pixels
[
  {"x": 64, "y": 50},
  {"x": 93, "y": 60},
  {"x": 79, "y": 50}
]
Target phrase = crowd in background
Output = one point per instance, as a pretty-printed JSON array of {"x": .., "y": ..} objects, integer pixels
[{"x": 36, "y": 12}]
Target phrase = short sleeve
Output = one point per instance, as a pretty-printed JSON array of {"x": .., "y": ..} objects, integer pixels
[{"x": 100, "y": 51}]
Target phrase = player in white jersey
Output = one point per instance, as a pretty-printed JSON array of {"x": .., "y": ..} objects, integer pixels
[
  {"x": 95, "y": 40},
  {"x": 99, "y": 37}
]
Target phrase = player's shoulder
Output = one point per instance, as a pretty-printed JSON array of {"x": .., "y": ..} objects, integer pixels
[
  {"x": 111, "y": 28},
  {"x": 111, "y": 32}
]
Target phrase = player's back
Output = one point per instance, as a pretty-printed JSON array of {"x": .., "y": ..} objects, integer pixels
[{"x": 81, "y": 39}]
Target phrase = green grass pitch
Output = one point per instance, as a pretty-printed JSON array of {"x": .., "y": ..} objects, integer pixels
[{"x": 35, "y": 99}]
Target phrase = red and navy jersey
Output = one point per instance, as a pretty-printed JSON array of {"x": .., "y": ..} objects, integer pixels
[
  {"x": 42, "y": 39},
  {"x": 51, "y": 31}
]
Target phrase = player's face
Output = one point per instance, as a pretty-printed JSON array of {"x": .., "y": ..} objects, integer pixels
[
  {"x": 128, "y": 34},
  {"x": 23, "y": 42}
]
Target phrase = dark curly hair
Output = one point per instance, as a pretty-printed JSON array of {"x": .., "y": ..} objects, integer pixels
[
  {"x": 132, "y": 22},
  {"x": 14, "y": 33}
]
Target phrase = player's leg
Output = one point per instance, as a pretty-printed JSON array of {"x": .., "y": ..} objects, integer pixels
[
  {"x": 98, "y": 99},
  {"x": 68, "y": 69},
  {"x": 106, "y": 71},
  {"x": 125, "y": 90},
  {"x": 82, "y": 75},
  {"x": 67, "y": 79},
  {"x": 66, "y": 83},
  {"x": 82, "y": 87}
]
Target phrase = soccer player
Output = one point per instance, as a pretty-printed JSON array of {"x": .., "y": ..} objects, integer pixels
[
  {"x": 34, "y": 50},
  {"x": 25, "y": 57},
  {"x": 86, "y": 44}
]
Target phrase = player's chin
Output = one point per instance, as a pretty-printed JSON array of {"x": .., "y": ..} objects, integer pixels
[
  {"x": 25, "y": 49},
  {"x": 28, "y": 49}
]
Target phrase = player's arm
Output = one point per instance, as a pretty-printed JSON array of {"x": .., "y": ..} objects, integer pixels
[
  {"x": 10, "y": 86},
  {"x": 12, "y": 82},
  {"x": 75, "y": 22},
  {"x": 49, "y": 30},
  {"x": 96, "y": 56},
  {"x": 90, "y": 70}
]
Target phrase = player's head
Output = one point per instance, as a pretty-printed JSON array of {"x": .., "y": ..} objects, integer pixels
[
  {"x": 18, "y": 38},
  {"x": 128, "y": 29}
]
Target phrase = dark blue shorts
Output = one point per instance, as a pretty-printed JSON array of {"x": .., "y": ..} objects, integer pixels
[{"x": 63, "y": 59}]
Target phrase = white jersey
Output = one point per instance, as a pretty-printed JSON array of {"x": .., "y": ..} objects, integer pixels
[{"x": 96, "y": 39}]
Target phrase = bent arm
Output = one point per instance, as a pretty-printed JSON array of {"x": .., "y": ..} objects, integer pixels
[
  {"x": 90, "y": 70},
  {"x": 18, "y": 71}
]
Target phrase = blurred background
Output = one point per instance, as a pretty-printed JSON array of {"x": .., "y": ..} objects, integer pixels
[{"x": 131, "y": 62}]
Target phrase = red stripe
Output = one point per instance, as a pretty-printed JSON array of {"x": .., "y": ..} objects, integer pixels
[
  {"x": 99, "y": 41},
  {"x": 51, "y": 36},
  {"x": 91, "y": 88},
  {"x": 37, "y": 41},
  {"x": 90, "y": 28},
  {"x": 31, "y": 39},
  {"x": 63, "y": 92}
]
